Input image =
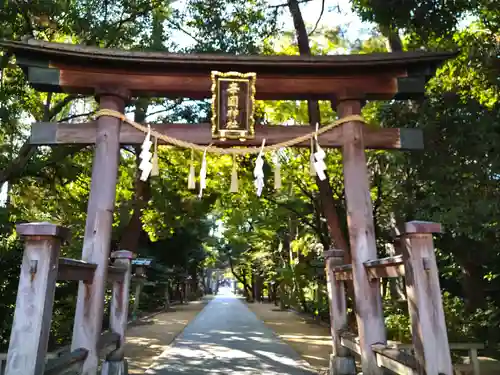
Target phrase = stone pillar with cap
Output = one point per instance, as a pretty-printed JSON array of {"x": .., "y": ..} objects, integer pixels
[
  {"x": 35, "y": 297},
  {"x": 341, "y": 362},
  {"x": 121, "y": 291},
  {"x": 140, "y": 278},
  {"x": 425, "y": 304}
]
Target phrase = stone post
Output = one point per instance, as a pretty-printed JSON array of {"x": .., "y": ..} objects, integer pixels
[
  {"x": 35, "y": 298},
  {"x": 121, "y": 292},
  {"x": 425, "y": 305},
  {"x": 140, "y": 276},
  {"x": 341, "y": 362}
]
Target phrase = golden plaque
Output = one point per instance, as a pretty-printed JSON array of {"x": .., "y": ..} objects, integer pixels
[{"x": 233, "y": 101}]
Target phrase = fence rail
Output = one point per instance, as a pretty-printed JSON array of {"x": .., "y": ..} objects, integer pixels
[{"x": 399, "y": 358}]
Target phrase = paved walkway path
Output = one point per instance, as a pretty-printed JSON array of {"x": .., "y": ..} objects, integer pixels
[{"x": 227, "y": 338}]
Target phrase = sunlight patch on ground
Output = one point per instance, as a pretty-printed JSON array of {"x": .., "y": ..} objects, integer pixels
[
  {"x": 260, "y": 339},
  {"x": 277, "y": 358},
  {"x": 234, "y": 338},
  {"x": 170, "y": 322},
  {"x": 313, "y": 357},
  {"x": 311, "y": 340}
]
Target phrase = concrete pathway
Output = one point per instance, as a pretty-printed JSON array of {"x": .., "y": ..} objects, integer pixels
[{"x": 227, "y": 338}]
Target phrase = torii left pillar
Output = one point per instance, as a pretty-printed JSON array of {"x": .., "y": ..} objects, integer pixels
[{"x": 97, "y": 239}]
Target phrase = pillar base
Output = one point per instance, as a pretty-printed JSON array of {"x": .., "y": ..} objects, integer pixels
[
  {"x": 342, "y": 365},
  {"x": 115, "y": 368}
]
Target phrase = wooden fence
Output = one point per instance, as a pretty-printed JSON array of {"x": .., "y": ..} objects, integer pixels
[
  {"x": 41, "y": 268},
  {"x": 429, "y": 353}
]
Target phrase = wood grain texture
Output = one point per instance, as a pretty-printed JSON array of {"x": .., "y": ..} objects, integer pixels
[
  {"x": 397, "y": 361},
  {"x": 350, "y": 341},
  {"x": 369, "y": 314},
  {"x": 79, "y": 68},
  {"x": 91, "y": 55},
  {"x": 72, "y": 361},
  {"x": 386, "y": 271},
  {"x": 76, "y": 270},
  {"x": 97, "y": 238},
  {"x": 46, "y": 133},
  {"x": 343, "y": 275},
  {"x": 115, "y": 363},
  {"x": 107, "y": 339},
  {"x": 114, "y": 368},
  {"x": 471, "y": 347},
  {"x": 341, "y": 362},
  {"x": 385, "y": 267},
  {"x": 137, "y": 296},
  {"x": 43, "y": 229},
  {"x": 120, "y": 300},
  {"x": 423, "y": 227},
  {"x": 35, "y": 297},
  {"x": 197, "y": 85},
  {"x": 342, "y": 272},
  {"x": 425, "y": 305},
  {"x": 116, "y": 273}
]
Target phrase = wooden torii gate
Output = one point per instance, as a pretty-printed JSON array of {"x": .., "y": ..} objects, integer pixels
[{"x": 115, "y": 76}]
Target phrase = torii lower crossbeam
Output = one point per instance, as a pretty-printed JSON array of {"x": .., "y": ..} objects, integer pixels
[{"x": 46, "y": 133}]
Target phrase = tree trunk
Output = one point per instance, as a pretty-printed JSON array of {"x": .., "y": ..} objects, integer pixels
[
  {"x": 396, "y": 284},
  {"x": 167, "y": 296},
  {"x": 394, "y": 42},
  {"x": 132, "y": 232},
  {"x": 242, "y": 279},
  {"x": 328, "y": 203},
  {"x": 282, "y": 296}
]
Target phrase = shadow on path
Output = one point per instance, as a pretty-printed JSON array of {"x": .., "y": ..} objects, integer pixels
[
  {"x": 227, "y": 338},
  {"x": 147, "y": 340}
]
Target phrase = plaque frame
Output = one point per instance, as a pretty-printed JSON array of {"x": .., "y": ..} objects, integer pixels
[{"x": 245, "y": 131}]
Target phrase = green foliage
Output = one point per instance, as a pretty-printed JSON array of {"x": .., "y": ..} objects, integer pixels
[
  {"x": 277, "y": 237},
  {"x": 425, "y": 20}
]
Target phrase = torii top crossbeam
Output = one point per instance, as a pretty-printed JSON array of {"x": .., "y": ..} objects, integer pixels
[
  {"x": 73, "y": 68},
  {"x": 57, "y": 67}
]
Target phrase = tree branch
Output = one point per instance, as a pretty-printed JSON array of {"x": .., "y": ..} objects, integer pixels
[
  {"x": 319, "y": 18},
  {"x": 301, "y": 217},
  {"x": 287, "y": 4},
  {"x": 17, "y": 165},
  {"x": 58, "y": 107},
  {"x": 180, "y": 28},
  {"x": 65, "y": 119},
  {"x": 304, "y": 191}
]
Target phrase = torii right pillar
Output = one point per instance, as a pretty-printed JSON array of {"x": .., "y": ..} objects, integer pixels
[{"x": 368, "y": 299}]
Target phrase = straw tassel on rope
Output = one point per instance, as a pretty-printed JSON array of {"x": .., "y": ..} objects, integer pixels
[
  {"x": 191, "y": 175},
  {"x": 146, "y": 166},
  {"x": 312, "y": 170},
  {"x": 258, "y": 171},
  {"x": 277, "y": 171},
  {"x": 203, "y": 173},
  {"x": 234, "y": 177},
  {"x": 155, "y": 169},
  {"x": 319, "y": 157}
]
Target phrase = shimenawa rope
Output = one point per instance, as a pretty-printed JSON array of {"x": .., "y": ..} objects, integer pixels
[{"x": 232, "y": 150}]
